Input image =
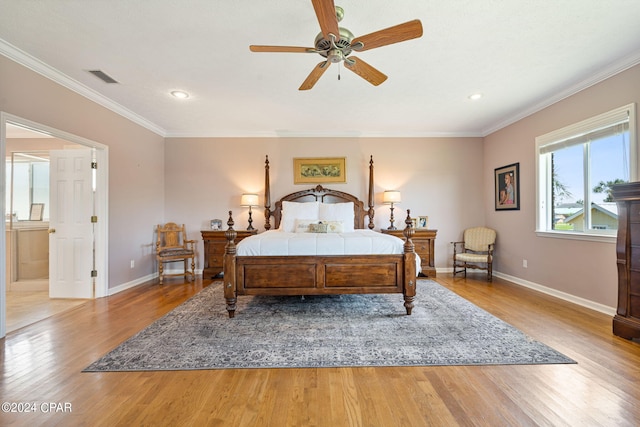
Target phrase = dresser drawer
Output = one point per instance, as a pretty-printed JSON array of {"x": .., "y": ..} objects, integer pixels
[
  {"x": 216, "y": 248},
  {"x": 634, "y": 257},
  {"x": 634, "y": 212},
  {"x": 215, "y": 242},
  {"x": 424, "y": 246}
]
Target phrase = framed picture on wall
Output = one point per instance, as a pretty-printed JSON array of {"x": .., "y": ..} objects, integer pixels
[
  {"x": 319, "y": 170},
  {"x": 507, "y": 187}
]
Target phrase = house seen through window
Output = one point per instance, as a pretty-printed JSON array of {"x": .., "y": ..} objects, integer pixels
[{"x": 577, "y": 167}]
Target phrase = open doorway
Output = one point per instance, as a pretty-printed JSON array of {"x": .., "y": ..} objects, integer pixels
[
  {"x": 27, "y": 217},
  {"x": 20, "y": 140}
]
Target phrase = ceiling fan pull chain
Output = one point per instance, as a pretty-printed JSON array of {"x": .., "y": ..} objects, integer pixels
[{"x": 338, "y": 71}]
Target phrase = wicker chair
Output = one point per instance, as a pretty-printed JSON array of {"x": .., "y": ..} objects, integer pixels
[
  {"x": 475, "y": 251},
  {"x": 173, "y": 246}
]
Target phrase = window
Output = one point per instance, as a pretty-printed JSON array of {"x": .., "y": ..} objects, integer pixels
[
  {"x": 27, "y": 182},
  {"x": 576, "y": 167}
]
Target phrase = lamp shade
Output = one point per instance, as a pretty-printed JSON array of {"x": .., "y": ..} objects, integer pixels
[
  {"x": 249, "y": 200},
  {"x": 391, "y": 196}
]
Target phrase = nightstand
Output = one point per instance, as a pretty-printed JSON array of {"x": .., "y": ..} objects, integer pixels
[
  {"x": 214, "y": 244},
  {"x": 424, "y": 241}
]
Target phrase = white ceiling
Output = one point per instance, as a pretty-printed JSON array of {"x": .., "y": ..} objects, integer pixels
[{"x": 521, "y": 54}]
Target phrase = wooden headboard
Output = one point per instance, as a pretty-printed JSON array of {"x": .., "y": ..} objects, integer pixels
[{"x": 321, "y": 194}]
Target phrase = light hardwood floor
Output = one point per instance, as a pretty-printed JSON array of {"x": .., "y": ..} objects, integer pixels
[
  {"x": 28, "y": 307},
  {"x": 42, "y": 364}
]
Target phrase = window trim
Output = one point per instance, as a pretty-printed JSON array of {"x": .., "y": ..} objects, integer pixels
[{"x": 543, "y": 142}]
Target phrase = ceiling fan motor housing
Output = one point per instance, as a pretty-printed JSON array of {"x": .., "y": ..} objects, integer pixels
[{"x": 335, "y": 52}]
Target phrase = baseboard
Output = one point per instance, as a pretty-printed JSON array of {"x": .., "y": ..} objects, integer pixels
[
  {"x": 142, "y": 280},
  {"x": 601, "y": 308},
  {"x": 131, "y": 284}
]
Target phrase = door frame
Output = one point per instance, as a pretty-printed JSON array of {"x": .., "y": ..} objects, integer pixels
[{"x": 101, "y": 231}]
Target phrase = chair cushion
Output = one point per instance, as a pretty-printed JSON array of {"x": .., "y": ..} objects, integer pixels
[
  {"x": 469, "y": 257},
  {"x": 176, "y": 252}
]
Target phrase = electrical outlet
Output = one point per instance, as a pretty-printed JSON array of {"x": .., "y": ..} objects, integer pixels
[
  {"x": 524, "y": 263},
  {"x": 133, "y": 263}
]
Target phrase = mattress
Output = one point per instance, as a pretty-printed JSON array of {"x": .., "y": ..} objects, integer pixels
[{"x": 358, "y": 242}]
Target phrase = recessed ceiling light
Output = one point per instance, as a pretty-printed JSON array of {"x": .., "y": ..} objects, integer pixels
[
  {"x": 475, "y": 96},
  {"x": 180, "y": 94}
]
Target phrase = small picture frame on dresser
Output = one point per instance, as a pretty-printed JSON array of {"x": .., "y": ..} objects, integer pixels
[
  {"x": 216, "y": 224},
  {"x": 414, "y": 222},
  {"x": 423, "y": 222}
]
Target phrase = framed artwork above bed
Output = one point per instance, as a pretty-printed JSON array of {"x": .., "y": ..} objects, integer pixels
[{"x": 319, "y": 170}]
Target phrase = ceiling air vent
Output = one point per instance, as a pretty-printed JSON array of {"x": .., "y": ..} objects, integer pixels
[{"x": 103, "y": 76}]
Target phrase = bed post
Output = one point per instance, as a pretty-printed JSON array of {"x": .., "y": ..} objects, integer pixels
[
  {"x": 410, "y": 274},
  {"x": 371, "y": 212},
  {"x": 267, "y": 196},
  {"x": 229, "y": 268}
]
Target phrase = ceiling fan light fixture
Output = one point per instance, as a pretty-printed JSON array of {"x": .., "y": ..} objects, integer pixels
[
  {"x": 180, "y": 94},
  {"x": 335, "y": 55}
]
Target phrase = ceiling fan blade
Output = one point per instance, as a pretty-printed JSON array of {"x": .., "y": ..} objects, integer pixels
[
  {"x": 290, "y": 49},
  {"x": 315, "y": 75},
  {"x": 399, "y": 33},
  {"x": 326, "y": 13},
  {"x": 365, "y": 71}
]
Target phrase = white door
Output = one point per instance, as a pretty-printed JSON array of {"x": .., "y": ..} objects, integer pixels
[{"x": 70, "y": 226}]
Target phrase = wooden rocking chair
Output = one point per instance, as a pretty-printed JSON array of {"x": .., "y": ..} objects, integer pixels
[{"x": 173, "y": 246}]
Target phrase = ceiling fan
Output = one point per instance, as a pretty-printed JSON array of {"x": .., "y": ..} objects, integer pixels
[{"x": 337, "y": 43}]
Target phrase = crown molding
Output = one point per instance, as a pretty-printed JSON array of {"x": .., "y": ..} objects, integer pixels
[
  {"x": 318, "y": 134},
  {"x": 34, "y": 64}
]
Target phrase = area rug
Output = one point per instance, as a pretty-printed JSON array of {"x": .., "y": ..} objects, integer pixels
[{"x": 326, "y": 331}]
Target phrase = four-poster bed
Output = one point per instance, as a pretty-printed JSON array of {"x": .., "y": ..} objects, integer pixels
[{"x": 354, "y": 272}]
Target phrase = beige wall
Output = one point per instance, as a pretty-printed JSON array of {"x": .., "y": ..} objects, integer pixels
[
  {"x": 583, "y": 269},
  {"x": 136, "y": 157},
  {"x": 438, "y": 177}
]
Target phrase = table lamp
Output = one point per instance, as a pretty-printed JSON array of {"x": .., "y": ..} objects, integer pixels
[
  {"x": 249, "y": 200},
  {"x": 389, "y": 198}
]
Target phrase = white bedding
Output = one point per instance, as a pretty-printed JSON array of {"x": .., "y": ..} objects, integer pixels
[{"x": 358, "y": 242}]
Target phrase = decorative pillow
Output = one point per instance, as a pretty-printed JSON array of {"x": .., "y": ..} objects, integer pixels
[
  {"x": 317, "y": 228},
  {"x": 294, "y": 210},
  {"x": 338, "y": 212},
  {"x": 304, "y": 225},
  {"x": 333, "y": 226}
]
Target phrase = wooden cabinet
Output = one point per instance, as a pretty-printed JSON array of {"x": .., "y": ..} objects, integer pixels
[
  {"x": 626, "y": 322},
  {"x": 214, "y": 243},
  {"x": 424, "y": 241}
]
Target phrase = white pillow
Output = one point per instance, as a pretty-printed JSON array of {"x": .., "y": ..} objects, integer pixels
[
  {"x": 294, "y": 210},
  {"x": 338, "y": 212},
  {"x": 303, "y": 225}
]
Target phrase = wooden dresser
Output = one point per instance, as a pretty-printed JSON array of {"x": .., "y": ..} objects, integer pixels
[
  {"x": 424, "y": 241},
  {"x": 214, "y": 243},
  {"x": 626, "y": 322}
]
